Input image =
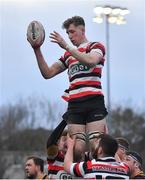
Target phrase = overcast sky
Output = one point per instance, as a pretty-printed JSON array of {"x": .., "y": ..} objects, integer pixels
[{"x": 19, "y": 73}]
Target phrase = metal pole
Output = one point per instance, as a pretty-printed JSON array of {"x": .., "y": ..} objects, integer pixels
[{"x": 108, "y": 68}]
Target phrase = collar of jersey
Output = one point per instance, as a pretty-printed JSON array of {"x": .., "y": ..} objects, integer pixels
[
  {"x": 106, "y": 158},
  {"x": 83, "y": 44}
]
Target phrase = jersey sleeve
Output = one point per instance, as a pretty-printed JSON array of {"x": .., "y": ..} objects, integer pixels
[
  {"x": 63, "y": 60},
  {"x": 96, "y": 47},
  {"x": 77, "y": 169}
]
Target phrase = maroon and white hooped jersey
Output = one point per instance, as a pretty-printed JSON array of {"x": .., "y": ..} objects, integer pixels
[
  {"x": 84, "y": 81},
  {"x": 103, "y": 168},
  {"x": 56, "y": 167}
]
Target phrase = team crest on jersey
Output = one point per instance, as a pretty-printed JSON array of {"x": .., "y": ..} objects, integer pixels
[{"x": 75, "y": 68}]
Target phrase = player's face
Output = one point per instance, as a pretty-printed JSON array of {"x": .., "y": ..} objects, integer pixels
[
  {"x": 63, "y": 144},
  {"x": 130, "y": 162},
  {"x": 30, "y": 169},
  {"x": 76, "y": 34}
]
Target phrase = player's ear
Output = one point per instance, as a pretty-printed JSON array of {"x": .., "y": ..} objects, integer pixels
[
  {"x": 136, "y": 164},
  {"x": 83, "y": 30},
  {"x": 100, "y": 150}
]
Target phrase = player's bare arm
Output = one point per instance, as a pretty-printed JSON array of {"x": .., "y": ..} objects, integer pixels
[
  {"x": 90, "y": 59},
  {"x": 68, "y": 160},
  {"x": 46, "y": 71},
  {"x": 36, "y": 37}
]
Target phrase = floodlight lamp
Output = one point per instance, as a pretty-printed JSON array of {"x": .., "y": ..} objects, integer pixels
[
  {"x": 124, "y": 12},
  {"x": 116, "y": 11},
  {"x": 112, "y": 19},
  {"x": 98, "y": 10},
  {"x": 107, "y": 10},
  {"x": 120, "y": 20},
  {"x": 98, "y": 19}
]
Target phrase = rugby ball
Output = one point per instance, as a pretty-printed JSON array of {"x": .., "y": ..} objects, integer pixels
[{"x": 35, "y": 34}]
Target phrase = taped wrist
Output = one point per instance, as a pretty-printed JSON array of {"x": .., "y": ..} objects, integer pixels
[
  {"x": 68, "y": 48},
  {"x": 80, "y": 136},
  {"x": 93, "y": 135}
]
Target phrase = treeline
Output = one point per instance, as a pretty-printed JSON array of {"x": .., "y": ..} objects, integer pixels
[
  {"x": 25, "y": 125},
  {"x": 131, "y": 125},
  {"x": 28, "y": 121}
]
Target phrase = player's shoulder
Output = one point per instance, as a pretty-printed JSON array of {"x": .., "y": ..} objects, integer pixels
[{"x": 95, "y": 45}]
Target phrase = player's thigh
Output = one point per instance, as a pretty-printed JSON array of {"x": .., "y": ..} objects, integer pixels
[
  {"x": 78, "y": 131},
  {"x": 76, "y": 128},
  {"x": 94, "y": 129},
  {"x": 98, "y": 126}
]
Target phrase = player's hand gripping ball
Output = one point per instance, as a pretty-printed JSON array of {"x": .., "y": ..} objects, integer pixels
[{"x": 35, "y": 34}]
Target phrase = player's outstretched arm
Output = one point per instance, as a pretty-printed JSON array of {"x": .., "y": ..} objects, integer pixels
[
  {"x": 36, "y": 37},
  {"x": 46, "y": 71}
]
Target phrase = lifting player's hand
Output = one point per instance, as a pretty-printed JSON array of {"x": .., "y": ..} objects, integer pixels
[
  {"x": 35, "y": 44},
  {"x": 70, "y": 141},
  {"x": 57, "y": 38}
]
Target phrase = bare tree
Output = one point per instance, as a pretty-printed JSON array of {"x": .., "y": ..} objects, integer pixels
[{"x": 131, "y": 125}]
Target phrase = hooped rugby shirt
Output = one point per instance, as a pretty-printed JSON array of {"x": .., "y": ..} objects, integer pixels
[
  {"x": 56, "y": 167},
  {"x": 84, "y": 81},
  {"x": 103, "y": 168}
]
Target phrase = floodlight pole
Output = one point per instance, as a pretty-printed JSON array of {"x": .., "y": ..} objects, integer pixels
[
  {"x": 108, "y": 66},
  {"x": 111, "y": 15}
]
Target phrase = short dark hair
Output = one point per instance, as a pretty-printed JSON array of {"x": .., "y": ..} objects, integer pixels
[
  {"x": 122, "y": 142},
  {"x": 38, "y": 161},
  {"x": 76, "y": 20},
  {"x": 136, "y": 156},
  {"x": 108, "y": 144}
]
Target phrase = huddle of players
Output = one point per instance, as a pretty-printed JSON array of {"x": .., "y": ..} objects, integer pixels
[{"x": 110, "y": 160}]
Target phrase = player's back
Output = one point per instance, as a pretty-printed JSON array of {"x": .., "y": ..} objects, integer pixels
[
  {"x": 103, "y": 168},
  {"x": 107, "y": 168}
]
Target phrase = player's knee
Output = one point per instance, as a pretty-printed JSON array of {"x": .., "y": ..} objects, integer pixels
[
  {"x": 93, "y": 139},
  {"x": 94, "y": 135},
  {"x": 81, "y": 136}
]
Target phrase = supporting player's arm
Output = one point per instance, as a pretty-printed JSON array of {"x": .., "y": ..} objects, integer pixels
[
  {"x": 52, "y": 147},
  {"x": 68, "y": 160}
]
